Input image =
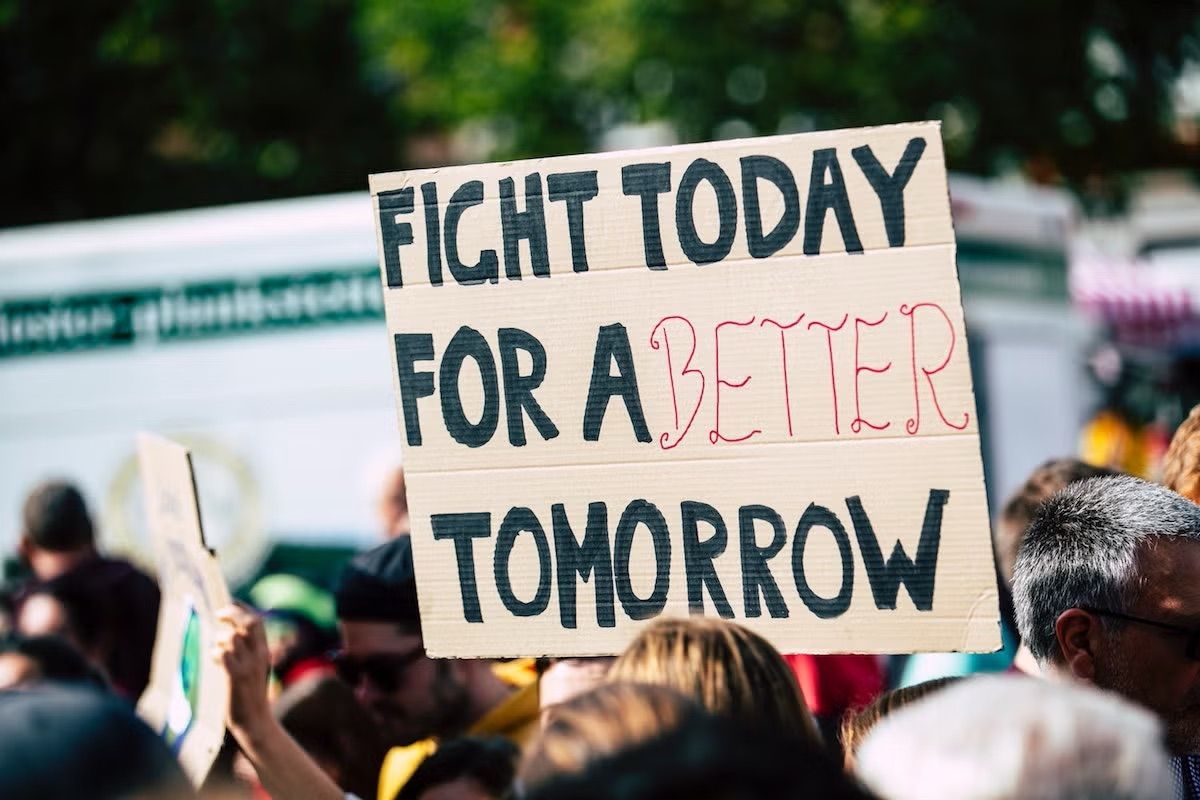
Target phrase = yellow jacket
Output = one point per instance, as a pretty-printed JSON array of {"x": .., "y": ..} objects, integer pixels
[{"x": 516, "y": 719}]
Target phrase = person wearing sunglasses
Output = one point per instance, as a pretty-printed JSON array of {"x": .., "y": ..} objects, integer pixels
[
  {"x": 414, "y": 700},
  {"x": 1106, "y": 588}
]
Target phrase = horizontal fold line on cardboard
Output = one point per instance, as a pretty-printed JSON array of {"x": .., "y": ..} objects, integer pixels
[
  {"x": 744, "y": 452},
  {"x": 774, "y": 260}
]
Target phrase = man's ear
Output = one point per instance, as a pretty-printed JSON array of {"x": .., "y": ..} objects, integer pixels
[
  {"x": 1077, "y": 632},
  {"x": 25, "y": 548}
]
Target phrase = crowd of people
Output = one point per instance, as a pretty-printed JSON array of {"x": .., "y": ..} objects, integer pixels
[{"x": 1096, "y": 693}]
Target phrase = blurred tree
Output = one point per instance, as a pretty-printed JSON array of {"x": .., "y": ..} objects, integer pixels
[
  {"x": 118, "y": 106},
  {"x": 124, "y": 105},
  {"x": 1066, "y": 88}
]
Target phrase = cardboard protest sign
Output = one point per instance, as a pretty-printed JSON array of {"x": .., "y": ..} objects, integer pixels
[
  {"x": 187, "y": 698},
  {"x": 726, "y": 378}
]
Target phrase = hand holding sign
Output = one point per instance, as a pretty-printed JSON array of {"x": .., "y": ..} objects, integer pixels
[
  {"x": 241, "y": 648},
  {"x": 726, "y": 378},
  {"x": 283, "y": 768}
]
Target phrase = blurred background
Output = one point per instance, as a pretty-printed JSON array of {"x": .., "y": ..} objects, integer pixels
[{"x": 186, "y": 242}]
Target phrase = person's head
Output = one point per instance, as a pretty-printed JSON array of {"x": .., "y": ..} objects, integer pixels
[
  {"x": 470, "y": 768},
  {"x": 322, "y": 715},
  {"x": 600, "y": 722},
  {"x": 857, "y": 723},
  {"x": 54, "y": 520},
  {"x": 711, "y": 758},
  {"x": 1107, "y": 588},
  {"x": 67, "y": 612},
  {"x": 560, "y": 679},
  {"x": 728, "y": 669},
  {"x": 1016, "y": 738},
  {"x": 383, "y": 656},
  {"x": 1020, "y": 509},
  {"x": 29, "y": 660},
  {"x": 1181, "y": 466},
  {"x": 62, "y": 742},
  {"x": 393, "y": 505}
]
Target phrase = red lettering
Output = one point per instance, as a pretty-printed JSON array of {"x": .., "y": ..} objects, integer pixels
[
  {"x": 914, "y": 423},
  {"x": 715, "y": 434},
  {"x": 860, "y": 368},
  {"x": 787, "y": 398},
  {"x": 829, "y": 329},
  {"x": 664, "y": 441}
]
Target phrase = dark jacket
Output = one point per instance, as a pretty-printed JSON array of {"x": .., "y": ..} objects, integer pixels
[{"x": 113, "y": 608}]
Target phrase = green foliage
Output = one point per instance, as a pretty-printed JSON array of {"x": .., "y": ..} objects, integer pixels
[
  {"x": 114, "y": 106},
  {"x": 117, "y": 106}
]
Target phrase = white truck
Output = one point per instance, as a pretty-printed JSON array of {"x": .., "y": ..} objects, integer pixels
[
  {"x": 252, "y": 333},
  {"x": 255, "y": 335}
]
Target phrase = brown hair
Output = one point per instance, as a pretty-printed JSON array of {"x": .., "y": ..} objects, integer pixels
[
  {"x": 857, "y": 723},
  {"x": 323, "y": 716},
  {"x": 1042, "y": 484},
  {"x": 55, "y": 518},
  {"x": 600, "y": 722},
  {"x": 728, "y": 669},
  {"x": 1181, "y": 466}
]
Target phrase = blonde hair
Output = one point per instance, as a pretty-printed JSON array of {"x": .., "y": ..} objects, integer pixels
[
  {"x": 729, "y": 670},
  {"x": 599, "y": 723},
  {"x": 857, "y": 723},
  {"x": 1181, "y": 465}
]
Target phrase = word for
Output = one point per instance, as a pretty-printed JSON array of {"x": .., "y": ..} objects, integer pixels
[
  {"x": 603, "y": 559},
  {"x": 646, "y": 183}
]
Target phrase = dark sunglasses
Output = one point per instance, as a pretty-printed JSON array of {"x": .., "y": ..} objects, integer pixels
[
  {"x": 383, "y": 670},
  {"x": 1192, "y": 649}
]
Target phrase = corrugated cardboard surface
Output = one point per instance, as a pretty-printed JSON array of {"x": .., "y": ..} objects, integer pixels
[
  {"x": 873, "y": 400},
  {"x": 189, "y": 578}
]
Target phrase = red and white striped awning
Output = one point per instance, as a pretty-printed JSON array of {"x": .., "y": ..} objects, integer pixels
[{"x": 1142, "y": 302}]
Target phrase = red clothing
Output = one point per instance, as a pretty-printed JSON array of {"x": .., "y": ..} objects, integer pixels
[{"x": 834, "y": 683}]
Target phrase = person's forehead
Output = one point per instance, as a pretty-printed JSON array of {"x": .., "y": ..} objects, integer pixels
[
  {"x": 15, "y": 669},
  {"x": 371, "y": 636},
  {"x": 1169, "y": 572}
]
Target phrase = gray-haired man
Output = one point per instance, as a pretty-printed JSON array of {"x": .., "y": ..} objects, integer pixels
[{"x": 1107, "y": 590}]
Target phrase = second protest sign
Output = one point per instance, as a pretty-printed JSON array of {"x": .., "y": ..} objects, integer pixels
[{"x": 727, "y": 378}]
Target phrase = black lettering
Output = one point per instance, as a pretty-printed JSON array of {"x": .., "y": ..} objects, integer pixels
[
  {"x": 698, "y": 251},
  {"x": 518, "y": 388},
  {"x": 756, "y": 576},
  {"x": 528, "y": 224},
  {"x": 487, "y": 268},
  {"x": 433, "y": 232},
  {"x": 819, "y": 516},
  {"x": 698, "y": 557},
  {"x": 612, "y": 344},
  {"x": 469, "y": 343},
  {"x": 589, "y": 558},
  {"x": 461, "y": 529},
  {"x": 393, "y": 233},
  {"x": 890, "y": 188},
  {"x": 574, "y": 189},
  {"x": 520, "y": 520},
  {"x": 773, "y": 170},
  {"x": 648, "y": 181},
  {"x": 411, "y": 347},
  {"x": 823, "y": 196},
  {"x": 918, "y": 576},
  {"x": 642, "y": 512}
]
